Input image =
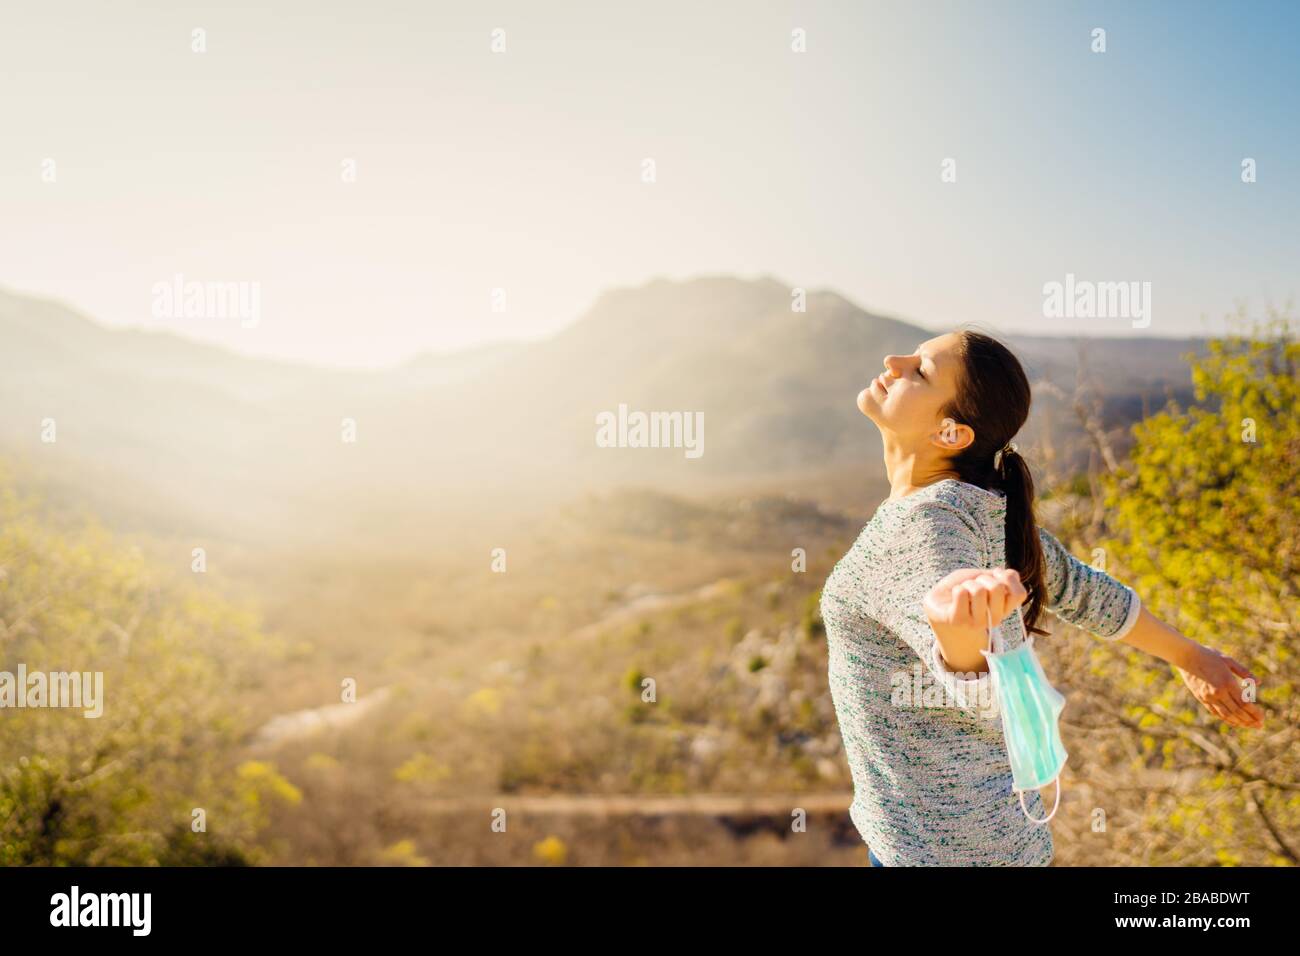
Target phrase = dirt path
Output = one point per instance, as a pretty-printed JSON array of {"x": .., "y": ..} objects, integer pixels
[
  {"x": 301, "y": 724},
  {"x": 305, "y": 723},
  {"x": 601, "y": 805}
]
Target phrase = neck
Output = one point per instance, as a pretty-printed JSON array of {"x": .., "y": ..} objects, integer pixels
[{"x": 910, "y": 471}]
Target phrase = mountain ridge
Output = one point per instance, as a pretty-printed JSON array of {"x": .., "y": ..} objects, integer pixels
[{"x": 232, "y": 441}]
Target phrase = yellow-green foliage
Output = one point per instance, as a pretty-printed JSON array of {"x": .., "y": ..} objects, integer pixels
[
  {"x": 402, "y": 853},
  {"x": 551, "y": 850},
  {"x": 122, "y": 788},
  {"x": 1205, "y": 524}
]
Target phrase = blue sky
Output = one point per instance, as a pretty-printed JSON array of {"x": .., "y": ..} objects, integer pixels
[{"x": 522, "y": 170}]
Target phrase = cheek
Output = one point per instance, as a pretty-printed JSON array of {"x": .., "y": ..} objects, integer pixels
[{"x": 912, "y": 406}]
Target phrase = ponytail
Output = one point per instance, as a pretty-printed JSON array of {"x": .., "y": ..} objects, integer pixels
[{"x": 1024, "y": 550}]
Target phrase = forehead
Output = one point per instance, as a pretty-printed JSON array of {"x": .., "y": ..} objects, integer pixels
[{"x": 940, "y": 350}]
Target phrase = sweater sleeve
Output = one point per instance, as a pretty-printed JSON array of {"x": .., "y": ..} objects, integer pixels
[
  {"x": 1084, "y": 596},
  {"x": 938, "y": 540}
]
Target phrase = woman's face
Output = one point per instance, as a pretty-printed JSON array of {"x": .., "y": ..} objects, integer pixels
[{"x": 907, "y": 398}]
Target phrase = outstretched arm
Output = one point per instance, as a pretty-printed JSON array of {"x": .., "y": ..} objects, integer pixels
[
  {"x": 1095, "y": 601},
  {"x": 941, "y": 547},
  {"x": 1212, "y": 677},
  {"x": 1085, "y": 596}
]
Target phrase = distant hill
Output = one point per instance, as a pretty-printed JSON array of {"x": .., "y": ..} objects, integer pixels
[
  {"x": 450, "y": 367},
  {"x": 155, "y": 430}
]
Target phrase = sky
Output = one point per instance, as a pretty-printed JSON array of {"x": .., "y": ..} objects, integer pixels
[{"x": 131, "y": 158}]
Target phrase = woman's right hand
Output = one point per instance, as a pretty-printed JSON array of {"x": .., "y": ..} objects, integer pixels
[{"x": 964, "y": 600}]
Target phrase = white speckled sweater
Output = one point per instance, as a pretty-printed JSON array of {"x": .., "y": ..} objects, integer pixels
[{"x": 931, "y": 775}]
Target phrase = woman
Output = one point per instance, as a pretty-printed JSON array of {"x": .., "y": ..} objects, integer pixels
[{"x": 954, "y": 546}]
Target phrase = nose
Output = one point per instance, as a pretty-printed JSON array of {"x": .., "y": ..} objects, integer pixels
[{"x": 895, "y": 365}]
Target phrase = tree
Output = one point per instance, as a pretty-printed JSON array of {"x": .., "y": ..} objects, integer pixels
[
  {"x": 1204, "y": 521},
  {"x": 122, "y": 788}
]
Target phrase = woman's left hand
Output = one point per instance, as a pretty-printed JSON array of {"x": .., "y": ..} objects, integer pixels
[{"x": 1212, "y": 678}]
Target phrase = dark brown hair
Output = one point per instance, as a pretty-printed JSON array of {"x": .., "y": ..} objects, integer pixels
[{"x": 993, "y": 398}]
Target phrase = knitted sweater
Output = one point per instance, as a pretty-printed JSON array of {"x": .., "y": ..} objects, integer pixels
[{"x": 931, "y": 775}]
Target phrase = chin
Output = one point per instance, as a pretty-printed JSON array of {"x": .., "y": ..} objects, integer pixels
[{"x": 866, "y": 402}]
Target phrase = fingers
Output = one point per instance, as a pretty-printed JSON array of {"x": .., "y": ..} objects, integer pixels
[
  {"x": 1018, "y": 592},
  {"x": 1236, "y": 713},
  {"x": 956, "y": 578},
  {"x": 1223, "y": 704},
  {"x": 966, "y": 611},
  {"x": 997, "y": 595},
  {"x": 1239, "y": 717},
  {"x": 970, "y": 597},
  {"x": 1243, "y": 714},
  {"x": 962, "y": 613},
  {"x": 1003, "y": 593},
  {"x": 1240, "y": 669},
  {"x": 941, "y": 594},
  {"x": 979, "y": 603},
  {"x": 1228, "y": 692},
  {"x": 1215, "y": 706}
]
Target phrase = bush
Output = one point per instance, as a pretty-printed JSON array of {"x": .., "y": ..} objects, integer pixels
[
  {"x": 1205, "y": 523},
  {"x": 122, "y": 788}
]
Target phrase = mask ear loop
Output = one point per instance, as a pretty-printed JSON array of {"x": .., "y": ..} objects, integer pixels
[
  {"x": 1023, "y": 809},
  {"x": 989, "y": 617},
  {"x": 1054, "y": 805}
]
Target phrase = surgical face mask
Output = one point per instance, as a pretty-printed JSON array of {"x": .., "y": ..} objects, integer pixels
[{"x": 1031, "y": 712}]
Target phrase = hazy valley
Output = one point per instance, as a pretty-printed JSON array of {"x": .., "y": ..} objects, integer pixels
[{"x": 496, "y": 584}]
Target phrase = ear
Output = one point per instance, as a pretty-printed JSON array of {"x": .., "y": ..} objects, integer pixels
[{"x": 951, "y": 436}]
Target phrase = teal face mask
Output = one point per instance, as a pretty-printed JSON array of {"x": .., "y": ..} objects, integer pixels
[{"x": 1031, "y": 712}]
